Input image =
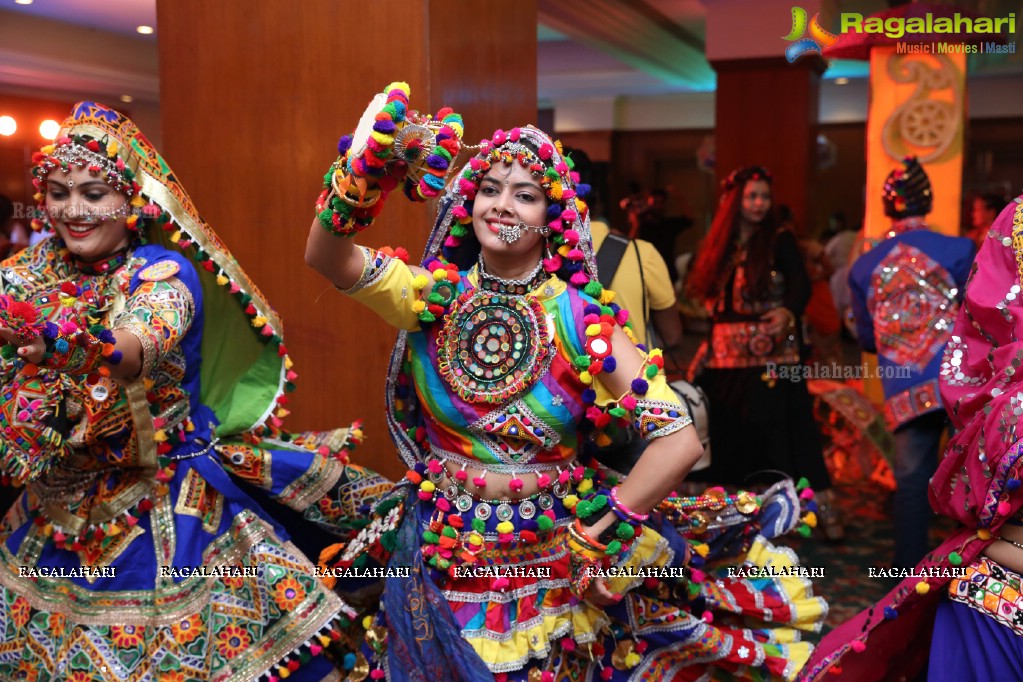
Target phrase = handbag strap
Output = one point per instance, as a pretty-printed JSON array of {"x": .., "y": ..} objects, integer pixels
[
  {"x": 609, "y": 257},
  {"x": 642, "y": 283}
]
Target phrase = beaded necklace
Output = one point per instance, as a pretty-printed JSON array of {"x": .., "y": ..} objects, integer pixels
[
  {"x": 102, "y": 266},
  {"x": 514, "y": 287}
]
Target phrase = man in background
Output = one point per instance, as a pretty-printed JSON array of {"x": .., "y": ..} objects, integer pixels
[
  {"x": 905, "y": 296},
  {"x": 662, "y": 230},
  {"x": 633, "y": 269}
]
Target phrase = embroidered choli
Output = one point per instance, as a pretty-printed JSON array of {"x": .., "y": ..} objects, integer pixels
[
  {"x": 112, "y": 464},
  {"x": 141, "y": 454},
  {"x": 525, "y": 415}
]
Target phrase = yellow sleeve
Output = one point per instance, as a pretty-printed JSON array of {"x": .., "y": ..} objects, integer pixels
[
  {"x": 385, "y": 287},
  {"x": 659, "y": 287},
  {"x": 650, "y": 405}
]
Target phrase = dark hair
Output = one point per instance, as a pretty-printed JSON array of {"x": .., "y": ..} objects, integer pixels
[
  {"x": 715, "y": 253},
  {"x": 907, "y": 191},
  {"x": 584, "y": 166}
]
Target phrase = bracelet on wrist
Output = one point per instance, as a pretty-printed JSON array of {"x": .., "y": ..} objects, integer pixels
[
  {"x": 395, "y": 146},
  {"x": 616, "y": 503}
]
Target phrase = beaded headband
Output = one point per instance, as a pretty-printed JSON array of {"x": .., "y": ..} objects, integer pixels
[
  {"x": 102, "y": 157},
  {"x": 80, "y": 153}
]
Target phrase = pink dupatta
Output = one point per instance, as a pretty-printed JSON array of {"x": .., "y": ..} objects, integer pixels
[{"x": 978, "y": 480}]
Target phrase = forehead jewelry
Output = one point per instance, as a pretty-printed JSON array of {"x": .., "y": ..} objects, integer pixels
[{"x": 119, "y": 212}]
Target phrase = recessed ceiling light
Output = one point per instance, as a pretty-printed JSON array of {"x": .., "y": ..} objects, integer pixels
[
  {"x": 841, "y": 81},
  {"x": 144, "y": 30},
  {"x": 127, "y": 99},
  {"x": 22, "y": 2},
  {"x": 49, "y": 129},
  {"x": 8, "y": 126}
]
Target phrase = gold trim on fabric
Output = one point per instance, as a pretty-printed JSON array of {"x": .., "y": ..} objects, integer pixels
[
  {"x": 141, "y": 607},
  {"x": 161, "y": 519},
  {"x": 145, "y": 433},
  {"x": 128, "y": 322},
  {"x": 194, "y": 492},
  {"x": 31, "y": 547},
  {"x": 62, "y": 516},
  {"x": 208, "y": 242},
  {"x": 320, "y": 477}
]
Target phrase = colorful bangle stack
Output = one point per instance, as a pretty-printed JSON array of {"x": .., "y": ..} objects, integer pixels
[
  {"x": 402, "y": 148},
  {"x": 342, "y": 212},
  {"x": 587, "y": 553},
  {"x": 580, "y": 542},
  {"x": 586, "y": 556}
]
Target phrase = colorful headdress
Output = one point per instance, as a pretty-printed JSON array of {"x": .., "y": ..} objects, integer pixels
[
  {"x": 567, "y": 214},
  {"x": 740, "y": 176},
  {"x": 907, "y": 191},
  {"x": 245, "y": 369}
]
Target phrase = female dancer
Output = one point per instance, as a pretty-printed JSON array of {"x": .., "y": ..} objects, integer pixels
[
  {"x": 751, "y": 276},
  {"x": 526, "y": 559},
  {"x": 141, "y": 367}
]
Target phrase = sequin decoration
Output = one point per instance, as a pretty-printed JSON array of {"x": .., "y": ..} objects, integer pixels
[
  {"x": 914, "y": 302},
  {"x": 493, "y": 345}
]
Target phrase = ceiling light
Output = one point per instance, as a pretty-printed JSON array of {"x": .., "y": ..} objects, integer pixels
[
  {"x": 22, "y": 2},
  {"x": 841, "y": 81},
  {"x": 7, "y": 125},
  {"x": 144, "y": 30},
  {"x": 127, "y": 99},
  {"x": 49, "y": 129}
]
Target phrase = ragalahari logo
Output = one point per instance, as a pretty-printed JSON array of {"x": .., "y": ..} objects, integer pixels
[{"x": 817, "y": 40}]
